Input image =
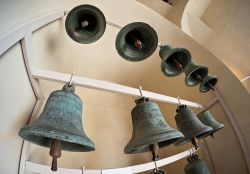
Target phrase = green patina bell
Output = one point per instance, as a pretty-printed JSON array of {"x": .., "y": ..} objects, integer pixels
[
  {"x": 59, "y": 125},
  {"x": 195, "y": 74},
  {"x": 189, "y": 124},
  {"x": 174, "y": 60},
  {"x": 136, "y": 41},
  {"x": 196, "y": 166},
  {"x": 207, "y": 118},
  {"x": 208, "y": 83},
  {"x": 149, "y": 127},
  {"x": 85, "y": 24}
]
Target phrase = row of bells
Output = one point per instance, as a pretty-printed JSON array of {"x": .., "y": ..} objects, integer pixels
[
  {"x": 135, "y": 42},
  {"x": 60, "y": 126}
]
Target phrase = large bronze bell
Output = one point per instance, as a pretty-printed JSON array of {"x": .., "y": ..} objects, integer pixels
[
  {"x": 196, "y": 166},
  {"x": 207, "y": 118},
  {"x": 174, "y": 60},
  {"x": 59, "y": 125},
  {"x": 136, "y": 41},
  {"x": 189, "y": 124},
  {"x": 195, "y": 74},
  {"x": 208, "y": 83},
  {"x": 85, "y": 24},
  {"x": 149, "y": 127}
]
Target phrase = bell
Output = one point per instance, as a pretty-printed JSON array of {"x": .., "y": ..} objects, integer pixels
[
  {"x": 208, "y": 83},
  {"x": 196, "y": 166},
  {"x": 174, "y": 60},
  {"x": 195, "y": 74},
  {"x": 85, "y": 24},
  {"x": 136, "y": 41},
  {"x": 150, "y": 130},
  {"x": 189, "y": 124},
  {"x": 59, "y": 125},
  {"x": 207, "y": 118}
]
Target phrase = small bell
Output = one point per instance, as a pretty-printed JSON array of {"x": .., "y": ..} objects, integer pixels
[
  {"x": 174, "y": 60},
  {"x": 85, "y": 24},
  {"x": 195, "y": 74},
  {"x": 208, "y": 83},
  {"x": 59, "y": 125},
  {"x": 150, "y": 130},
  {"x": 136, "y": 41},
  {"x": 189, "y": 124},
  {"x": 196, "y": 166},
  {"x": 207, "y": 118}
]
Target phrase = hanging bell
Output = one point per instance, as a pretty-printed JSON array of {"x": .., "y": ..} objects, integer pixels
[
  {"x": 195, "y": 74},
  {"x": 149, "y": 127},
  {"x": 59, "y": 125},
  {"x": 207, "y": 118},
  {"x": 196, "y": 166},
  {"x": 189, "y": 124},
  {"x": 136, "y": 41},
  {"x": 174, "y": 60},
  {"x": 208, "y": 83},
  {"x": 85, "y": 24}
]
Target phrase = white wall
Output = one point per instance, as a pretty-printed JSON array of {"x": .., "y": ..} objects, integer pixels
[{"x": 16, "y": 104}]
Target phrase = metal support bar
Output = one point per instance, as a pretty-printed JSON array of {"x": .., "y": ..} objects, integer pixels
[
  {"x": 42, "y": 169},
  {"x": 107, "y": 86}
]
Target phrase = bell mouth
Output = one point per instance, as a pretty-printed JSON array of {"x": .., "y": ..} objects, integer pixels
[
  {"x": 140, "y": 145},
  {"x": 95, "y": 28},
  {"x": 168, "y": 64},
  {"x": 192, "y": 80},
  {"x": 44, "y": 136},
  {"x": 205, "y": 86},
  {"x": 137, "y": 31}
]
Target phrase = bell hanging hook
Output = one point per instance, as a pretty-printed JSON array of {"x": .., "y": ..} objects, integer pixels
[
  {"x": 140, "y": 90},
  {"x": 179, "y": 100},
  {"x": 71, "y": 78},
  {"x": 83, "y": 169}
]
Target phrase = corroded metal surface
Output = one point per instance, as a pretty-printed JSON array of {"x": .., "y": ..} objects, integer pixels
[
  {"x": 196, "y": 166},
  {"x": 60, "y": 119},
  {"x": 85, "y": 24},
  {"x": 149, "y": 127},
  {"x": 174, "y": 60},
  {"x": 136, "y": 41}
]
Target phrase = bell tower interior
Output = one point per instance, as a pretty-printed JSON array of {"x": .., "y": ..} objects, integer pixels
[{"x": 39, "y": 56}]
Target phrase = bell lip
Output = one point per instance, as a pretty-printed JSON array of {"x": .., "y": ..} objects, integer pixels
[
  {"x": 199, "y": 67},
  {"x": 129, "y": 27},
  {"x": 85, "y": 144},
  {"x": 205, "y": 81},
  {"x": 174, "y": 137},
  {"x": 166, "y": 57},
  {"x": 91, "y": 8}
]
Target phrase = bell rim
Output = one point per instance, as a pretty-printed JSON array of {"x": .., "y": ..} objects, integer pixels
[
  {"x": 204, "y": 82},
  {"x": 174, "y": 137},
  {"x": 33, "y": 130},
  {"x": 125, "y": 30},
  {"x": 198, "y": 82},
  {"x": 166, "y": 57},
  {"x": 90, "y": 8}
]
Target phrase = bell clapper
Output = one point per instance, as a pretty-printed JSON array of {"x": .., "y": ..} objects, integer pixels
[
  {"x": 178, "y": 64},
  {"x": 138, "y": 44},
  {"x": 55, "y": 152},
  {"x": 85, "y": 24},
  {"x": 154, "y": 148},
  {"x": 195, "y": 142},
  {"x": 199, "y": 77}
]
